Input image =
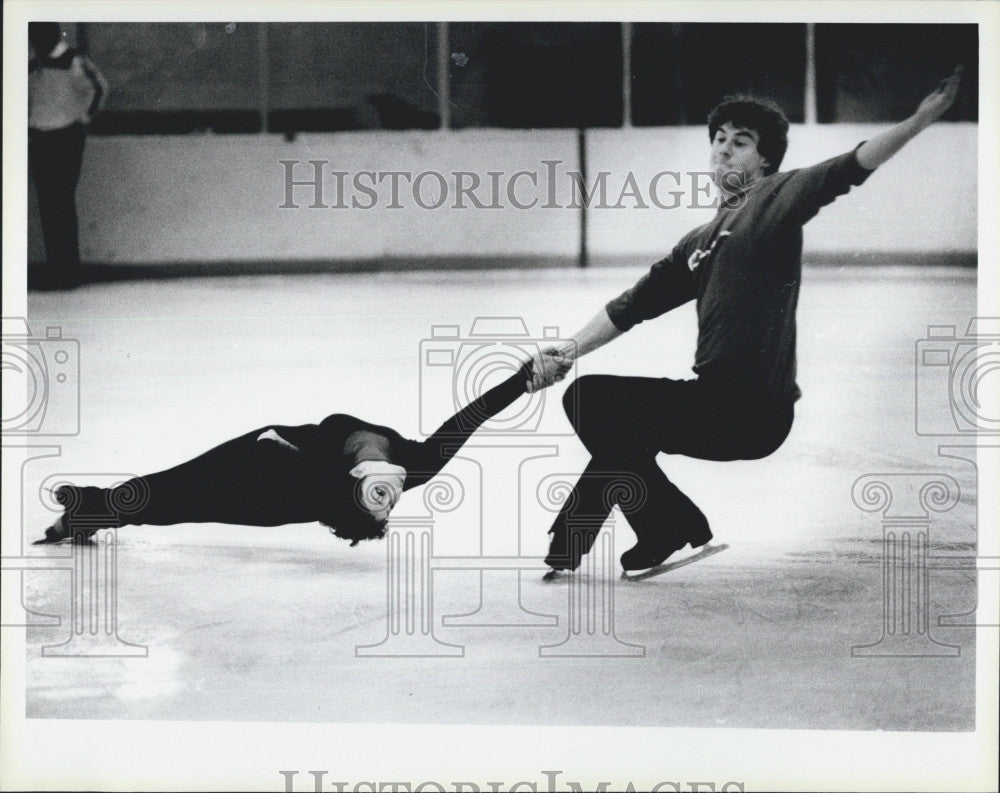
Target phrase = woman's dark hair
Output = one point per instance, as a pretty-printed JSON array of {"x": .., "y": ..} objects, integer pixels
[
  {"x": 346, "y": 517},
  {"x": 44, "y": 36},
  {"x": 761, "y": 115}
]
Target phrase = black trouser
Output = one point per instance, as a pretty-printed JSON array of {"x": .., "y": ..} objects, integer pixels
[
  {"x": 54, "y": 159},
  {"x": 624, "y": 422},
  {"x": 242, "y": 481}
]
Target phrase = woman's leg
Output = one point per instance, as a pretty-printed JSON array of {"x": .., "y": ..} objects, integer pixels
[{"x": 242, "y": 481}]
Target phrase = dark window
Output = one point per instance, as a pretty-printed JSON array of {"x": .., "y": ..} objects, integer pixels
[
  {"x": 352, "y": 76},
  {"x": 181, "y": 77},
  {"x": 535, "y": 74},
  {"x": 881, "y": 72},
  {"x": 681, "y": 71},
  {"x": 184, "y": 77},
  {"x": 176, "y": 77}
]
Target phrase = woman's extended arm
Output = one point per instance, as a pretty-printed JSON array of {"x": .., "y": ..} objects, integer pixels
[{"x": 430, "y": 456}]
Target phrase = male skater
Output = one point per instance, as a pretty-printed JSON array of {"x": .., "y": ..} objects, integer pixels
[{"x": 743, "y": 268}]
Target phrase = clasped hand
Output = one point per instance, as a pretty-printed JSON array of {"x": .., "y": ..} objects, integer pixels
[{"x": 549, "y": 366}]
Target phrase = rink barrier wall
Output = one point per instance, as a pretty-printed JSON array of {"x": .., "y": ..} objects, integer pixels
[
  {"x": 96, "y": 273},
  {"x": 211, "y": 203}
]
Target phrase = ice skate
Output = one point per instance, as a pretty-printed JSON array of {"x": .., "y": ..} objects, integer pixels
[
  {"x": 678, "y": 558},
  {"x": 61, "y": 531}
]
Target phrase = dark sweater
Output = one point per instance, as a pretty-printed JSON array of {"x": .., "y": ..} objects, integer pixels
[{"x": 744, "y": 269}]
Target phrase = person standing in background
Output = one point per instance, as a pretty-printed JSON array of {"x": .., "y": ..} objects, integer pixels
[{"x": 65, "y": 92}]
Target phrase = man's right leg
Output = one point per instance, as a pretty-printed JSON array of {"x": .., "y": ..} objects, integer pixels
[{"x": 664, "y": 522}]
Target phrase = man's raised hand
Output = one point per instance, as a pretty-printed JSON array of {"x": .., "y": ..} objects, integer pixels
[
  {"x": 879, "y": 148},
  {"x": 941, "y": 98}
]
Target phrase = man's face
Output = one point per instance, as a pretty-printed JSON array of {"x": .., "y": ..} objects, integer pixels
[{"x": 735, "y": 160}]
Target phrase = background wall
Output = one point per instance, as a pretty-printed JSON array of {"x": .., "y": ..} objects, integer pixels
[
  {"x": 216, "y": 198},
  {"x": 923, "y": 200}
]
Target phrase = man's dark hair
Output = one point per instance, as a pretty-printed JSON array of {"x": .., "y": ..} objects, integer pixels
[
  {"x": 761, "y": 115},
  {"x": 346, "y": 517},
  {"x": 44, "y": 36}
]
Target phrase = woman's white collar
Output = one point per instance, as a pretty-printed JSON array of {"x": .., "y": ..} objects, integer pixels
[{"x": 381, "y": 467}]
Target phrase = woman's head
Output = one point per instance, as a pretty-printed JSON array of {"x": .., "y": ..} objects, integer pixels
[
  {"x": 360, "y": 510},
  {"x": 357, "y": 525}
]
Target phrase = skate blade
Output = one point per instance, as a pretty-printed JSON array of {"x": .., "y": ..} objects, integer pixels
[{"x": 702, "y": 553}]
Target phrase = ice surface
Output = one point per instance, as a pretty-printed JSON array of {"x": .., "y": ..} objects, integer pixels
[{"x": 263, "y": 624}]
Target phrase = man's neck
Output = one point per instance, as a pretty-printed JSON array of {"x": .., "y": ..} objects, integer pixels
[{"x": 731, "y": 190}]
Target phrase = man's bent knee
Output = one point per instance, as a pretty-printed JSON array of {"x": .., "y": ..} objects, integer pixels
[{"x": 598, "y": 414}]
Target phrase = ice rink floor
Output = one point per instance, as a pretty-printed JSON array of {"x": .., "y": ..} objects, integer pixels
[{"x": 264, "y": 624}]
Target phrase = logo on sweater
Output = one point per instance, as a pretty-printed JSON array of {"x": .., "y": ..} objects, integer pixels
[{"x": 695, "y": 258}]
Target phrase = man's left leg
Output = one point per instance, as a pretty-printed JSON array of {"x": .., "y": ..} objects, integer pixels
[{"x": 711, "y": 424}]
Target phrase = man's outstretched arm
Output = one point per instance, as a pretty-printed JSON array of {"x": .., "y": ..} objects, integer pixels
[
  {"x": 872, "y": 153},
  {"x": 668, "y": 284},
  {"x": 552, "y": 363}
]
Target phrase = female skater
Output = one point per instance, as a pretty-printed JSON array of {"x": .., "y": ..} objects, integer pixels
[{"x": 344, "y": 472}]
